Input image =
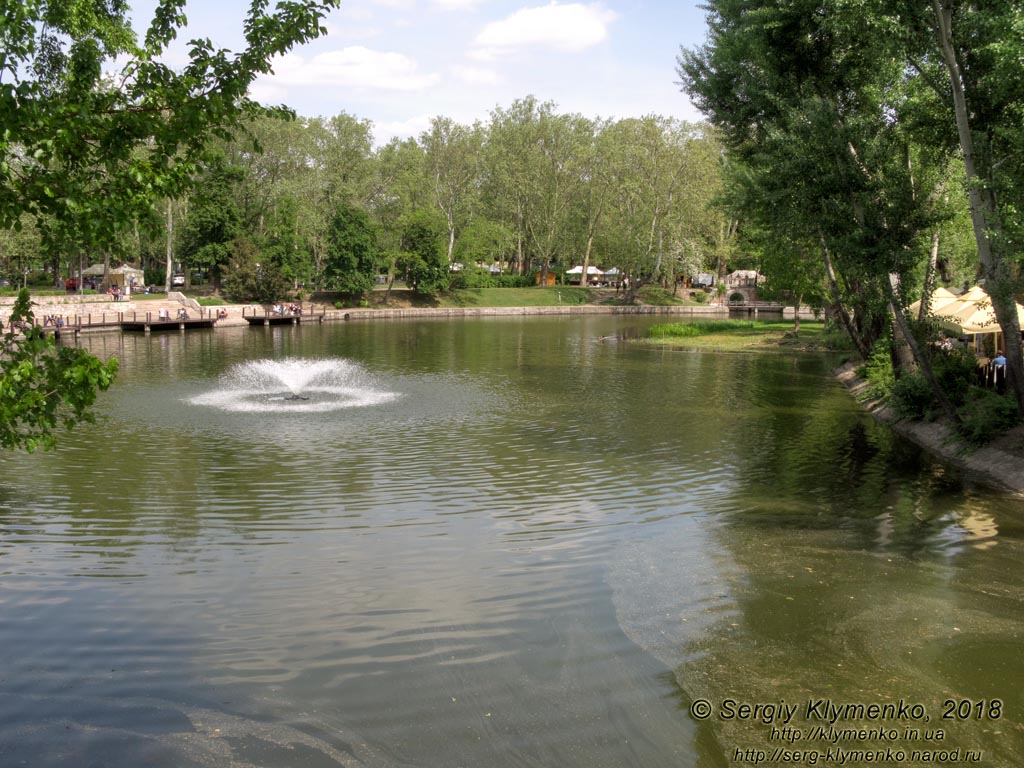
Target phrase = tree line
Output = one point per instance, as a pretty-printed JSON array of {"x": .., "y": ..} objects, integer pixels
[
  {"x": 176, "y": 167},
  {"x": 311, "y": 203}
]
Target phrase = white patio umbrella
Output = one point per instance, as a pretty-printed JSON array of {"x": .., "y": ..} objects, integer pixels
[
  {"x": 972, "y": 313},
  {"x": 940, "y": 298}
]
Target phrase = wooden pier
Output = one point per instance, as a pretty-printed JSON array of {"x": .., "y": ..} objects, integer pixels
[
  {"x": 75, "y": 324},
  {"x": 128, "y": 321},
  {"x": 268, "y": 316},
  {"x": 175, "y": 319},
  {"x": 147, "y": 322}
]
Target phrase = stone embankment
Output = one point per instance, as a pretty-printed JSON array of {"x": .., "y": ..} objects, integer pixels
[
  {"x": 95, "y": 309},
  {"x": 100, "y": 306},
  {"x": 993, "y": 464},
  {"x": 370, "y": 313}
]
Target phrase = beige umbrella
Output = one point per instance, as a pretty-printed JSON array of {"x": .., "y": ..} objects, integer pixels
[
  {"x": 940, "y": 298},
  {"x": 973, "y": 313}
]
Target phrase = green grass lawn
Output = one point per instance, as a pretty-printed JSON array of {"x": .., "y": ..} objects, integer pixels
[
  {"x": 517, "y": 297},
  {"x": 560, "y": 295},
  {"x": 742, "y": 334},
  {"x": 148, "y": 296}
]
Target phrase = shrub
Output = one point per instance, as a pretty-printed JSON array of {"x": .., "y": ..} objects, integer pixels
[
  {"x": 955, "y": 371},
  {"x": 472, "y": 277},
  {"x": 513, "y": 281},
  {"x": 40, "y": 279},
  {"x": 836, "y": 340},
  {"x": 911, "y": 397},
  {"x": 350, "y": 300},
  {"x": 700, "y": 297},
  {"x": 877, "y": 371},
  {"x": 986, "y": 416}
]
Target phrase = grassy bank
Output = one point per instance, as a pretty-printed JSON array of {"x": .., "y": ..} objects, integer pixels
[
  {"x": 518, "y": 297},
  {"x": 554, "y": 296},
  {"x": 744, "y": 334}
]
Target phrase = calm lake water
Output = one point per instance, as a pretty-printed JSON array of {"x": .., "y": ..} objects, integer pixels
[{"x": 498, "y": 543}]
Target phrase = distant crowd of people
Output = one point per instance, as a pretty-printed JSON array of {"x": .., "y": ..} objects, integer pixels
[{"x": 290, "y": 309}]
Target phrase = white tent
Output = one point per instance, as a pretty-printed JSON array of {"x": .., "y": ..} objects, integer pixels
[
  {"x": 129, "y": 272},
  {"x": 970, "y": 314},
  {"x": 940, "y": 298},
  {"x": 594, "y": 274},
  {"x": 973, "y": 315},
  {"x": 126, "y": 271}
]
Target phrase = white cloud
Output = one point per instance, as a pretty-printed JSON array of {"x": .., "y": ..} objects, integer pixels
[
  {"x": 457, "y": 5},
  {"x": 352, "y": 22},
  {"x": 570, "y": 27},
  {"x": 267, "y": 93},
  {"x": 475, "y": 75},
  {"x": 355, "y": 12},
  {"x": 384, "y": 131},
  {"x": 404, "y": 5},
  {"x": 354, "y": 67}
]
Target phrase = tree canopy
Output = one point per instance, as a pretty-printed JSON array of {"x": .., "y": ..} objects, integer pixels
[
  {"x": 844, "y": 121},
  {"x": 96, "y": 130}
]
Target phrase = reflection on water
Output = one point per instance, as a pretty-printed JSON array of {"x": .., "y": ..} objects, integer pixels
[{"x": 536, "y": 551}]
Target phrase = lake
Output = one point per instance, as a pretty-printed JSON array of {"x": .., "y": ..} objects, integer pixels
[{"x": 505, "y": 542}]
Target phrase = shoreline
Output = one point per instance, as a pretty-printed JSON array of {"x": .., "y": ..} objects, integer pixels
[
  {"x": 103, "y": 311},
  {"x": 988, "y": 464}
]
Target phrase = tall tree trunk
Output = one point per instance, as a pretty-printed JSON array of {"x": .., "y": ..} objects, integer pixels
[
  {"x": 520, "y": 256},
  {"x": 984, "y": 214},
  {"x": 929, "y": 278},
  {"x": 904, "y": 360},
  {"x": 837, "y": 303},
  {"x": 170, "y": 247},
  {"x": 584, "y": 278},
  {"x": 451, "y": 239},
  {"x": 922, "y": 360}
]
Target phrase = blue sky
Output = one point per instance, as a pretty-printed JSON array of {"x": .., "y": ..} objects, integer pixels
[{"x": 401, "y": 62}]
